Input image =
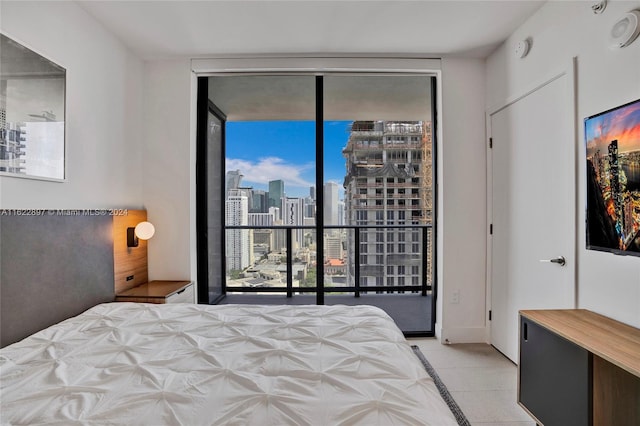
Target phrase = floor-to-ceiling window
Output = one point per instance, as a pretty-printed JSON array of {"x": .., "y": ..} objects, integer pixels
[{"x": 324, "y": 186}]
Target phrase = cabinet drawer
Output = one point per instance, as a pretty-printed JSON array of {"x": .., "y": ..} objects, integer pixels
[{"x": 185, "y": 295}]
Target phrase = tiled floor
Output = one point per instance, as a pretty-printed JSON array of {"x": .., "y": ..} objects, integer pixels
[{"x": 481, "y": 380}]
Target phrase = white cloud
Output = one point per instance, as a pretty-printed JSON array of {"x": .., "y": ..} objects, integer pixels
[{"x": 271, "y": 168}]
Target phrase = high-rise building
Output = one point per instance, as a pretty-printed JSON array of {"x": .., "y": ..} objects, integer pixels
[
  {"x": 310, "y": 208},
  {"x": 275, "y": 212},
  {"x": 259, "y": 204},
  {"x": 333, "y": 247},
  {"x": 341, "y": 213},
  {"x": 247, "y": 191},
  {"x": 260, "y": 219},
  {"x": 331, "y": 203},
  {"x": 276, "y": 193},
  {"x": 388, "y": 183},
  {"x": 239, "y": 244},
  {"x": 293, "y": 214},
  {"x": 262, "y": 236},
  {"x": 233, "y": 180},
  {"x": 614, "y": 183},
  {"x": 312, "y": 192}
]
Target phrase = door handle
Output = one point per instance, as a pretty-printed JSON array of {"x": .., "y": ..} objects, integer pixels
[{"x": 559, "y": 260}]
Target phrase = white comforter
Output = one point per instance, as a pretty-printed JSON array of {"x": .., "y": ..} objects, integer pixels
[{"x": 185, "y": 364}]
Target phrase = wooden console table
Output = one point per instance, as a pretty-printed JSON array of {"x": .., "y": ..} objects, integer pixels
[{"x": 578, "y": 368}]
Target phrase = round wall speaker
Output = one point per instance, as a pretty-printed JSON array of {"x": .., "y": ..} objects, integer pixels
[{"x": 625, "y": 30}]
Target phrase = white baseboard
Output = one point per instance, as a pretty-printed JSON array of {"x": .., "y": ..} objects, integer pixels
[
  {"x": 438, "y": 331},
  {"x": 461, "y": 334}
]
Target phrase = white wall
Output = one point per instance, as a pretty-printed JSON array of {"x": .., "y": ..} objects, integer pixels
[
  {"x": 104, "y": 115},
  {"x": 131, "y": 143},
  {"x": 169, "y": 168},
  {"x": 606, "y": 283},
  {"x": 462, "y": 203},
  {"x": 169, "y": 187}
]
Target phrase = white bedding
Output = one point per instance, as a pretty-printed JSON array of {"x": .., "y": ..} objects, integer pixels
[{"x": 186, "y": 364}]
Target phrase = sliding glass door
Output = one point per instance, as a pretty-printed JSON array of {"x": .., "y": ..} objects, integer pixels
[{"x": 324, "y": 192}]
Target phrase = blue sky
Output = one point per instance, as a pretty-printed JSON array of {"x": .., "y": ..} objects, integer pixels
[{"x": 270, "y": 150}]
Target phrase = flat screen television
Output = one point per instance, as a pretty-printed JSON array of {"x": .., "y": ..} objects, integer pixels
[{"x": 613, "y": 180}]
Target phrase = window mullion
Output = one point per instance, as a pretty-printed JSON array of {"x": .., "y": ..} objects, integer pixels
[{"x": 320, "y": 189}]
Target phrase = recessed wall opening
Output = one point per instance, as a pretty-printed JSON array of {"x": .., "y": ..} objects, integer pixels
[{"x": 319, "y": 189}]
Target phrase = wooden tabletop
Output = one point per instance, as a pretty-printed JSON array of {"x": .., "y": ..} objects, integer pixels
[
  {"x": 609, "y": 339},
  {"x": 159, "y": 289}
]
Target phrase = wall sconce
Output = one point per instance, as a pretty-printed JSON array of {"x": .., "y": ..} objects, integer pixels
[{"x": 142, "y": 231}]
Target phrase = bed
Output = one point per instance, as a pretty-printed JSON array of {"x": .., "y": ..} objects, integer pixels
[{"x": 187, "y": 364}]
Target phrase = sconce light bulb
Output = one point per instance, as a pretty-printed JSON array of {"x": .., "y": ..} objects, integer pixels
[{"x": 145, "y": 230}]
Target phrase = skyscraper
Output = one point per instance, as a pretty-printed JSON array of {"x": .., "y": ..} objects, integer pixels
[
  {"x": 276, "y": 192},
  {"x": 310, "y": 208},
  {"x": 247, "y": 191},
  {"x": 341, "y": 212},
  {"x": 233, "y": 180},
  {"x": 239, "y": 242},
  {"x": 388, "y": 183},
  {"x": 331, "y": 203},
  {"x": 262, "y": 236},
  {"x": 259, "y": 201},
  {"x": 614, "y": 183},
  {"x": 293, "y": 214}
]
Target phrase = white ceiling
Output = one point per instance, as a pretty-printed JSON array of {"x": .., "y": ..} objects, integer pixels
[{"x": 160, "y": 29}]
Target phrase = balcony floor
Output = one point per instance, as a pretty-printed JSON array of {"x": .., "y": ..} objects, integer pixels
[{"x": 411, "y": 312}]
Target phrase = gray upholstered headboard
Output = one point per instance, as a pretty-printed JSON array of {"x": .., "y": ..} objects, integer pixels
[{"x": 52, "y": 266}]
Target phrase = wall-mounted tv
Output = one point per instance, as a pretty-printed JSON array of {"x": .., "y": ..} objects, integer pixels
[{"x": 613, "y": 179}]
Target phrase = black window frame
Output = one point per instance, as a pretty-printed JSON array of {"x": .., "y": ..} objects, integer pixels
[{"x": 204, "y": 107}]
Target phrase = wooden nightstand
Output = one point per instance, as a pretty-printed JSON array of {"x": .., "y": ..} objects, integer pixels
[{"x": 159, "y": 292}]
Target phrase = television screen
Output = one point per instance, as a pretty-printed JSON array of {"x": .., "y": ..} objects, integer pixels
[{"x": 613, "y": 179}]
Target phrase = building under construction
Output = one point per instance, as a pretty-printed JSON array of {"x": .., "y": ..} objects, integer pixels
[{"x": 389, "y": 183}]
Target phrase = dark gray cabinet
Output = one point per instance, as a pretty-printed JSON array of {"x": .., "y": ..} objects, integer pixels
[
  {"x": 578, "y": 367},
  {"x": 554, "y": 377}
]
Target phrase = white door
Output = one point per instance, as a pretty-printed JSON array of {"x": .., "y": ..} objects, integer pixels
[{"x": 533, "y": 207}]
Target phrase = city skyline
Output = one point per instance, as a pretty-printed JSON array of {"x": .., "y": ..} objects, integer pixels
[
  {"x": 387, "y": 182},
  {"x": 285, "y": 151}
]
